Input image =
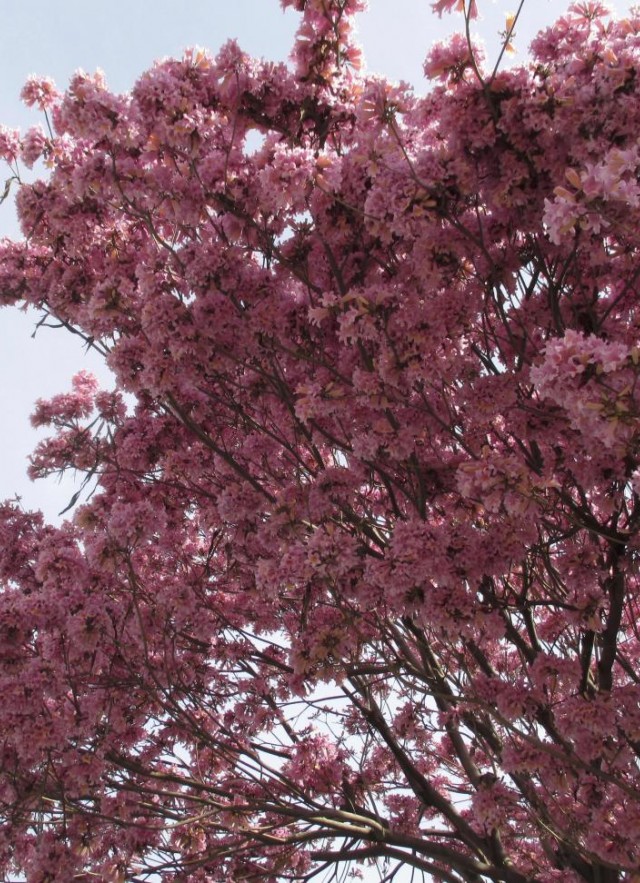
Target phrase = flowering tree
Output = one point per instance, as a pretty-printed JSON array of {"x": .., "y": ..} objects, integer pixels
[{"x": 357, "y": 579}]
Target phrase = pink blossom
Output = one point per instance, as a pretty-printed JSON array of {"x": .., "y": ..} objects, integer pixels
[
  {"x": 455, "y": 5},
  {"x": 449, "y": 59},
  {"x": 351, "y": 571},
  {"x": 40, "y": 91},
  {"x": 9, "y": 144},
  {"x": 33, "y": 146}
]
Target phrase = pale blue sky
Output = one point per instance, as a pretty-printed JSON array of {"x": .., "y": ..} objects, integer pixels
[{"x": 123, "y": 37}]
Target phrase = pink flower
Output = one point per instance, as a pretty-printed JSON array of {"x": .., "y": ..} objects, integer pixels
[
  {"x": 40, "y": 91},
  {"x": 9, "y": 144},
  {"x": 450, "y": 58},
  {"x": 34, "y": 144},
  {"x": 441, "y": 6}
]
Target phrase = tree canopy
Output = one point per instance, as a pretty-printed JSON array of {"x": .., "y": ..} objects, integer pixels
[{"x": 353, "y": 582}]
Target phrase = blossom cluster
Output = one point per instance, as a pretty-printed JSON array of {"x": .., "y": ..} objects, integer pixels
[{"x": 352, "y": 573}]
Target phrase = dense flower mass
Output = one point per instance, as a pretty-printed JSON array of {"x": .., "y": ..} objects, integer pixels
[{"x": 354, "y": 577}]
